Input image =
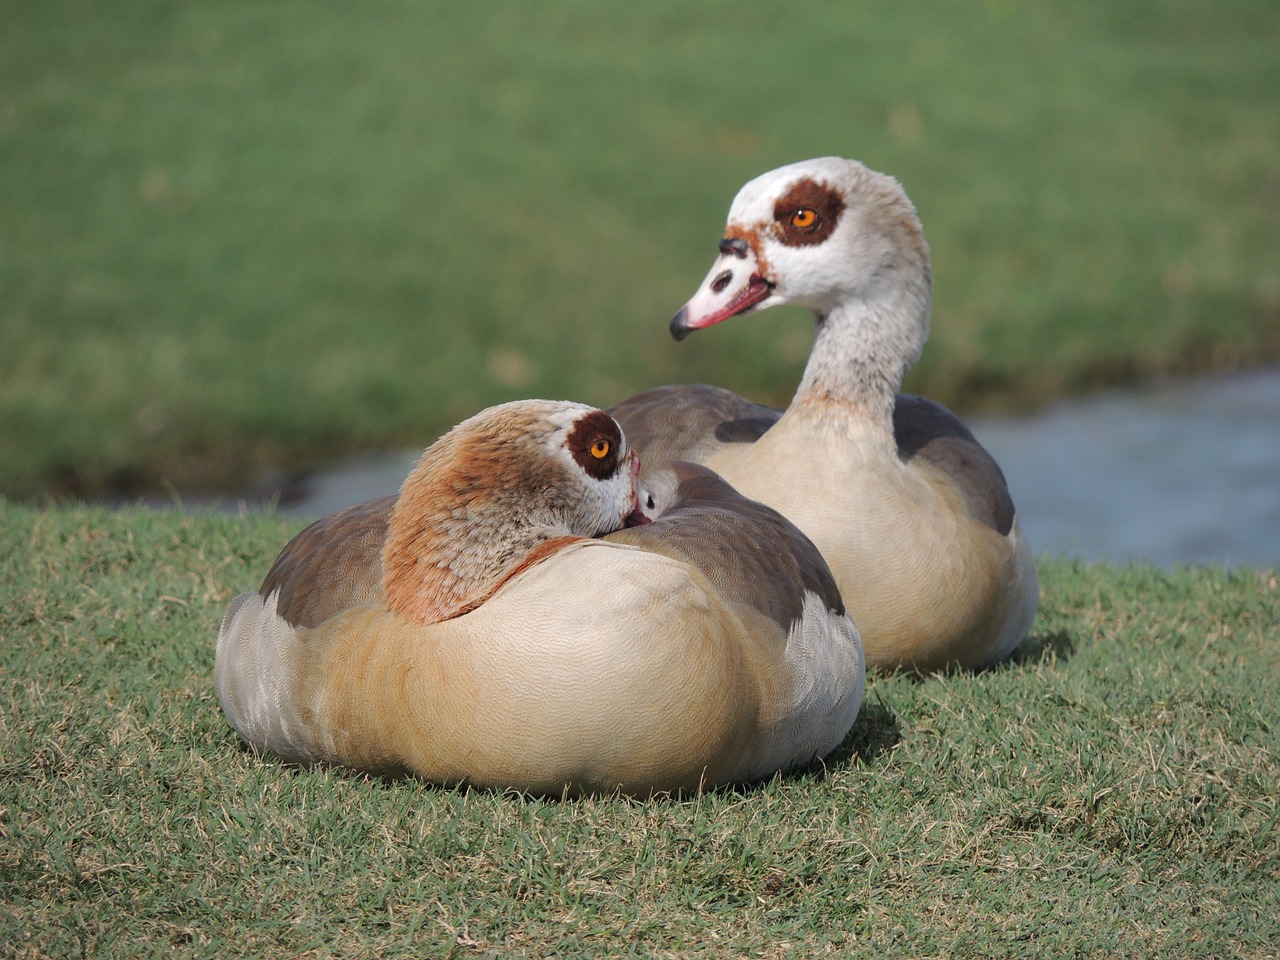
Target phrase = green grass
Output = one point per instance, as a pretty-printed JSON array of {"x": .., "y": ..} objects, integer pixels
[
  {"x": 239, "y": 236},
  {"x": 1111, "y": 792}
]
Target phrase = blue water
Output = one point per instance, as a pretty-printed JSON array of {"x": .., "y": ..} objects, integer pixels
[{"x": 1183, "y": 472}]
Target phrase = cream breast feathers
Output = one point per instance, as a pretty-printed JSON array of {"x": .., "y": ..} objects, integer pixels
[
  {"x": 912, "y": 514},
  {"x": 517, "y": 617}
]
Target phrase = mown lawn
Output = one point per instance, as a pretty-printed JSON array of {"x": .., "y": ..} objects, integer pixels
[
  {"x": 1111, "y": 792},
  {"x": 242, "y": 236}
]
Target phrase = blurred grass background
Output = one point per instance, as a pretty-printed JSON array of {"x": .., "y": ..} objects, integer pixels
[{"x": 238, "y": 236}]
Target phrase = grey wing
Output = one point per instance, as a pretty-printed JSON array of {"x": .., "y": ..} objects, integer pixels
[
  {"x": 753, "y": 555},
  {"x": 777, "y": 586},
  {"x": 934, "y": 434},
  {"x": 333, "y": 564},
  {"x": 689, "y": 421}
]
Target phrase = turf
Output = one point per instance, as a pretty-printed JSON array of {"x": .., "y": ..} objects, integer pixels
[
  {"x": 1109, "y": 792},
  {"x": 239, "y": 237}
]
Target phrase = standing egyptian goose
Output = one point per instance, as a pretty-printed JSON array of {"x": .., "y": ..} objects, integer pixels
[
  {"x": 912, "y": 515},
  {"x": 500, "y": 623}
]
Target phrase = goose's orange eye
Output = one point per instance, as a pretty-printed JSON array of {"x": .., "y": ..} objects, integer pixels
[
  {"x": 600, "y": 449},
  {"x": 804, "y": 218}
]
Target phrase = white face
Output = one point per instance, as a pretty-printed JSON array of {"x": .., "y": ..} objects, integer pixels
[
  {"x": 590, "y": 445},
  {"x": 544, "y": 463},
  {"x": 796, "y": 223},
  {"x": 814, "y": 233}
]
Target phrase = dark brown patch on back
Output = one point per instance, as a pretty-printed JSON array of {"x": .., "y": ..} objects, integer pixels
[
  {"x": 747, "y": 430},
  {"x": 670, "y": 423},
  {"x": 333, "y": 564},
  {"x": 807, "y": 213},
  {"x": 933, "y": 433},
  {"x": 753, "y": 555},
  {"x": 596, "y": 444}
]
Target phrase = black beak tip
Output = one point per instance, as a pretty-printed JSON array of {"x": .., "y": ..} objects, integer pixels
[{"x": 680, "y": 325}]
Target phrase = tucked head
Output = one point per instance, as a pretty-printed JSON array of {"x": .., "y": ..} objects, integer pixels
[
  {"x": 487, "y": 498},
  {"x": 818, "y": 233},
  {"x": 566, "y": 464}
]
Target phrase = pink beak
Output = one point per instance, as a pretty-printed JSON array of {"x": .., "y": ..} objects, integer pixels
[
  {"x": 733, "y": 287},
  {"x": 636, "y": 517}
]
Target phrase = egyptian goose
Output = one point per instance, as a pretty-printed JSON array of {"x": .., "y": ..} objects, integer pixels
[
  {"x": 512, "y": 620},
  {"x": 912, "y": 515}
]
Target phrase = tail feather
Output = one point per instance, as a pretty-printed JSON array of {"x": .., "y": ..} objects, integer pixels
[{"x": 256, "y": 676}]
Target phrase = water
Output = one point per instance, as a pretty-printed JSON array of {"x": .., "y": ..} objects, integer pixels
[{"x": 1185, "y": 472}]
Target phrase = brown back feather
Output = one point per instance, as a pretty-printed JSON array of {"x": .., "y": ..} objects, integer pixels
[
  {"x": 333, "y": 564},
  {"x": 753, "y": 555},
  {"x": 933, "y": 433},
  {"x": 670, "y": 423}
]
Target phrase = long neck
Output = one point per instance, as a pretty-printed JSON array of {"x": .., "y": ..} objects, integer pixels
[{"x": 861, "y": 351}]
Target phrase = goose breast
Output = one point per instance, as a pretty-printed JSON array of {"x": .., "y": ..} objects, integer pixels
[{"x": 911, "y": 513}]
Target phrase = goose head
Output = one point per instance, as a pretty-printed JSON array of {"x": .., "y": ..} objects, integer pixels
[
  {"x": 833, "y": 236},
  {"x": 500, "y": 492}
]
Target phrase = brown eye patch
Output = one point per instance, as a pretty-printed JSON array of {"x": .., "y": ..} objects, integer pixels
[
  {"x": 807, "y": 213},
  {"x": 595, "y": 442}
]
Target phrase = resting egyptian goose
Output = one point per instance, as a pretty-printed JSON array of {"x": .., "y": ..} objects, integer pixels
[
  {"x": 912, "y": 515},
  {"x": 512, "y": 620}
]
